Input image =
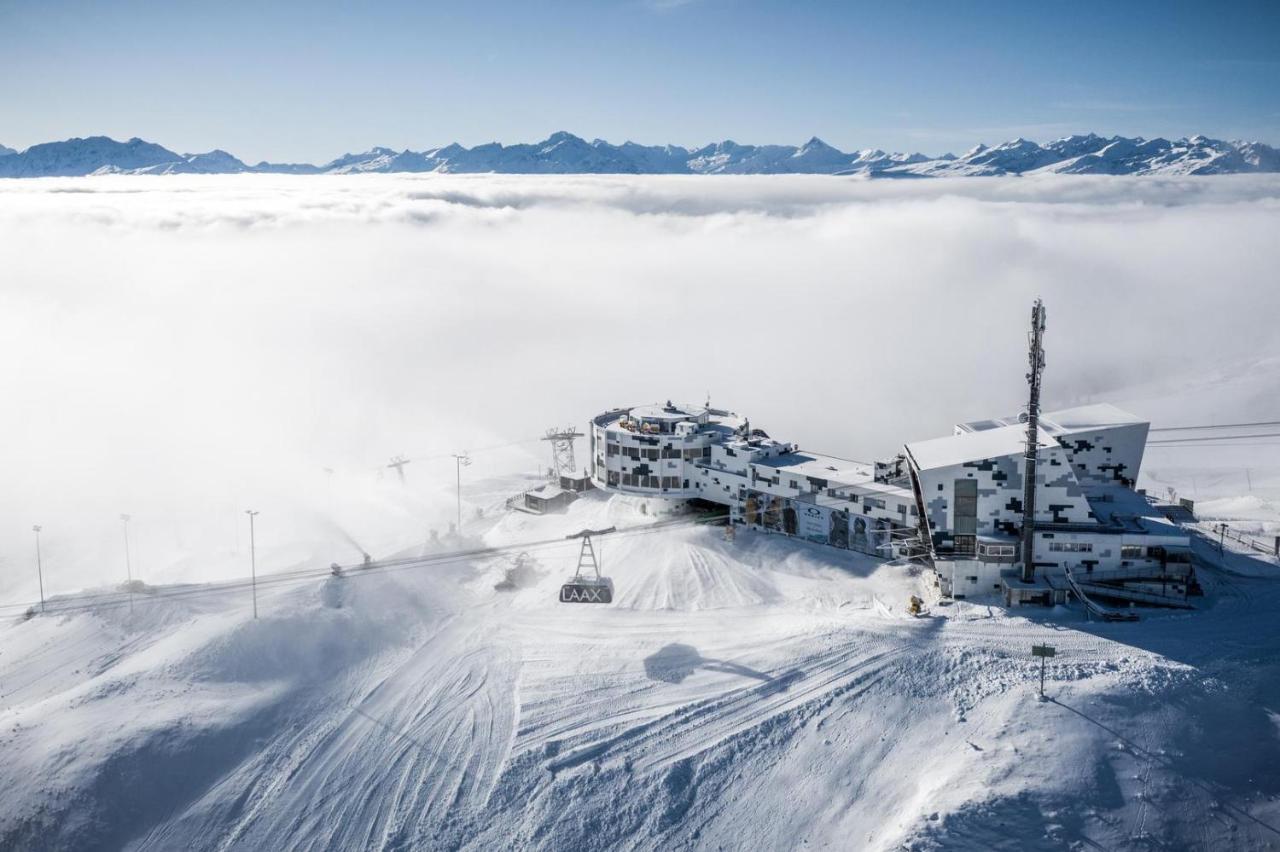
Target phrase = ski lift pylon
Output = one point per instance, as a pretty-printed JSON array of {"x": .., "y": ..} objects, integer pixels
[{"x": 587, "y": 585}]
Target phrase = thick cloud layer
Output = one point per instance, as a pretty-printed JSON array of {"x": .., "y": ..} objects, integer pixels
[{"x": 181, "y": 348}]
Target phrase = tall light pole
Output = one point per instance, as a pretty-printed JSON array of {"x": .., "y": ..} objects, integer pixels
[
  {"x": 461, "y": 461},
  {"x": 128, "y": 563},
  {"x": 39, "y": 567},
  {"x": 253, "y": 560}
]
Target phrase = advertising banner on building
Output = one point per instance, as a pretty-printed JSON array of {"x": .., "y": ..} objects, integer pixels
[
  {"x": 838, "y": 529},
  {"x": 813, "y": 522},
  {"x": 859, "y": 540}
]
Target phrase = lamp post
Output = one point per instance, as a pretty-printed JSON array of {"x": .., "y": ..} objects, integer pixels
[
  {"x": 462, "y": 460},
  {"x": 253, "y": 560},
  {"x": 128, "y": 563},
  {"x": 39, "y": 567}
]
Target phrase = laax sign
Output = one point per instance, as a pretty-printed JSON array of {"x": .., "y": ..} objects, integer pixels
[{"x": 585, "y": 593}]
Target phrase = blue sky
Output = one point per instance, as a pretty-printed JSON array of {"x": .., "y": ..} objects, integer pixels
[{"x": 309, "y": 81}]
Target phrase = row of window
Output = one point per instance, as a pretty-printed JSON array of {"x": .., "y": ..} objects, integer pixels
[
  {"x": 635, "y": 480},
  {"x": 997, "y": 549},
  {"x": 653, "y": 453},
  {"x": 1071, "y": 546}
]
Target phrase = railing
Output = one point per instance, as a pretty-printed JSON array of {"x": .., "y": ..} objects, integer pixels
[
  {"x": 1106, "y": 613},
  {"x": 1126, "y": 594},
  {"x": 1247, "y": 541}
]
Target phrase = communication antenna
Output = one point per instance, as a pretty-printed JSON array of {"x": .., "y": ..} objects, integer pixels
[
  {"x": 398, "y": 462},
  {"x": 561, "y": 440},
  {"x": 1035, "y": 356}
]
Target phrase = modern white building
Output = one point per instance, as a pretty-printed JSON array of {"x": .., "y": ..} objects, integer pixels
[
  {"x": 685, "y": 452},
  {"x": 1089, "y": 520},
  {"x": 955, "y": 502}
]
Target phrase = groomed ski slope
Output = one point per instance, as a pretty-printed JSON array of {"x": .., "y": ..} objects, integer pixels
[{"x": 754, "y": 694}]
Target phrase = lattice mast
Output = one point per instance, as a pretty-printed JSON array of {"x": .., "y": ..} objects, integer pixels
[
  {"x": 562, "y": 460},
  {"x": 1035, "y": 356}
]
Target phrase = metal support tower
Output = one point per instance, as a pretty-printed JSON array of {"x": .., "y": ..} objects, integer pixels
[
  {"x": 398, "y": 462},
  {"x": 561, "y": 440},
  {"x": 1035, "y": 340},
  {"x": 588, "y": 560}
]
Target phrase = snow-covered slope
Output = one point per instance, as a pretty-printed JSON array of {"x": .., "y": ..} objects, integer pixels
[
  {"x": 85, "y": 156},
  {"x": 756, "y": 694},
  {"x": 564, "y": 153},
  {"x": 1092, "y": 154},
  {"x": 216, "y": 162}
]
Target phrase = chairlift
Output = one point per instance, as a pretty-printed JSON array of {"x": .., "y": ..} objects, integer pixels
[{"x": 587, "y": 585}]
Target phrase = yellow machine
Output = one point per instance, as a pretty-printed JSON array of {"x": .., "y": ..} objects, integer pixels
[{"x": 916, "y": 606}]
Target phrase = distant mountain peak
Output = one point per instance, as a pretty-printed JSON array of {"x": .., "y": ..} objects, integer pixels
[{"x": 566, "y": 153}]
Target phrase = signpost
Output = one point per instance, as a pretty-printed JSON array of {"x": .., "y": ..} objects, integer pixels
[{"x": 1043, "y": 652}]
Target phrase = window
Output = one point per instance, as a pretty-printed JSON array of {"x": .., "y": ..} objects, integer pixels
[
  {"x": 1071, "y": 546},
  {"x": 996, "y": 550},
  {"x": 651, "y": 454},
  {"x": 611, "y": 449},
  {"x": 1131, "y": 551},
  {"x": 966, "y": 508},
  {"x": 671, "y": 452}
]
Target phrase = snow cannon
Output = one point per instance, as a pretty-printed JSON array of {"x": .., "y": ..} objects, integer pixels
[{"x": 587, "y": 585}]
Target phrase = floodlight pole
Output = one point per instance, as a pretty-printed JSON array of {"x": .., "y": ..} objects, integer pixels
[
  {"x": 253, "y": 560},
  {"x": 128, "y": 562},
  {"x": 39, "y": 567},
  {"x": 461, "y": 460}
]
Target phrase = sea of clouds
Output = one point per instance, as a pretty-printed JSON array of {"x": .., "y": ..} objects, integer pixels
[{"x": 183, "y": 348}]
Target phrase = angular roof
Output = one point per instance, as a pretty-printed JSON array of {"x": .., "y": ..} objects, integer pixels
[
  {"x": 1064, "y": 421},
  {"x": 974, "y": 446}
]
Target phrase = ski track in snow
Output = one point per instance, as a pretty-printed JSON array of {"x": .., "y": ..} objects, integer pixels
[{"x": 761, "y": 689}]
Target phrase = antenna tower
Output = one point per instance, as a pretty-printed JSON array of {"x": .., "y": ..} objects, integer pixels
[{"x": 1035, "y": 356}]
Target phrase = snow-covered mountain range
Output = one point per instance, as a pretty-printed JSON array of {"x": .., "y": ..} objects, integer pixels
[{"x": 564, "y": 153}]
